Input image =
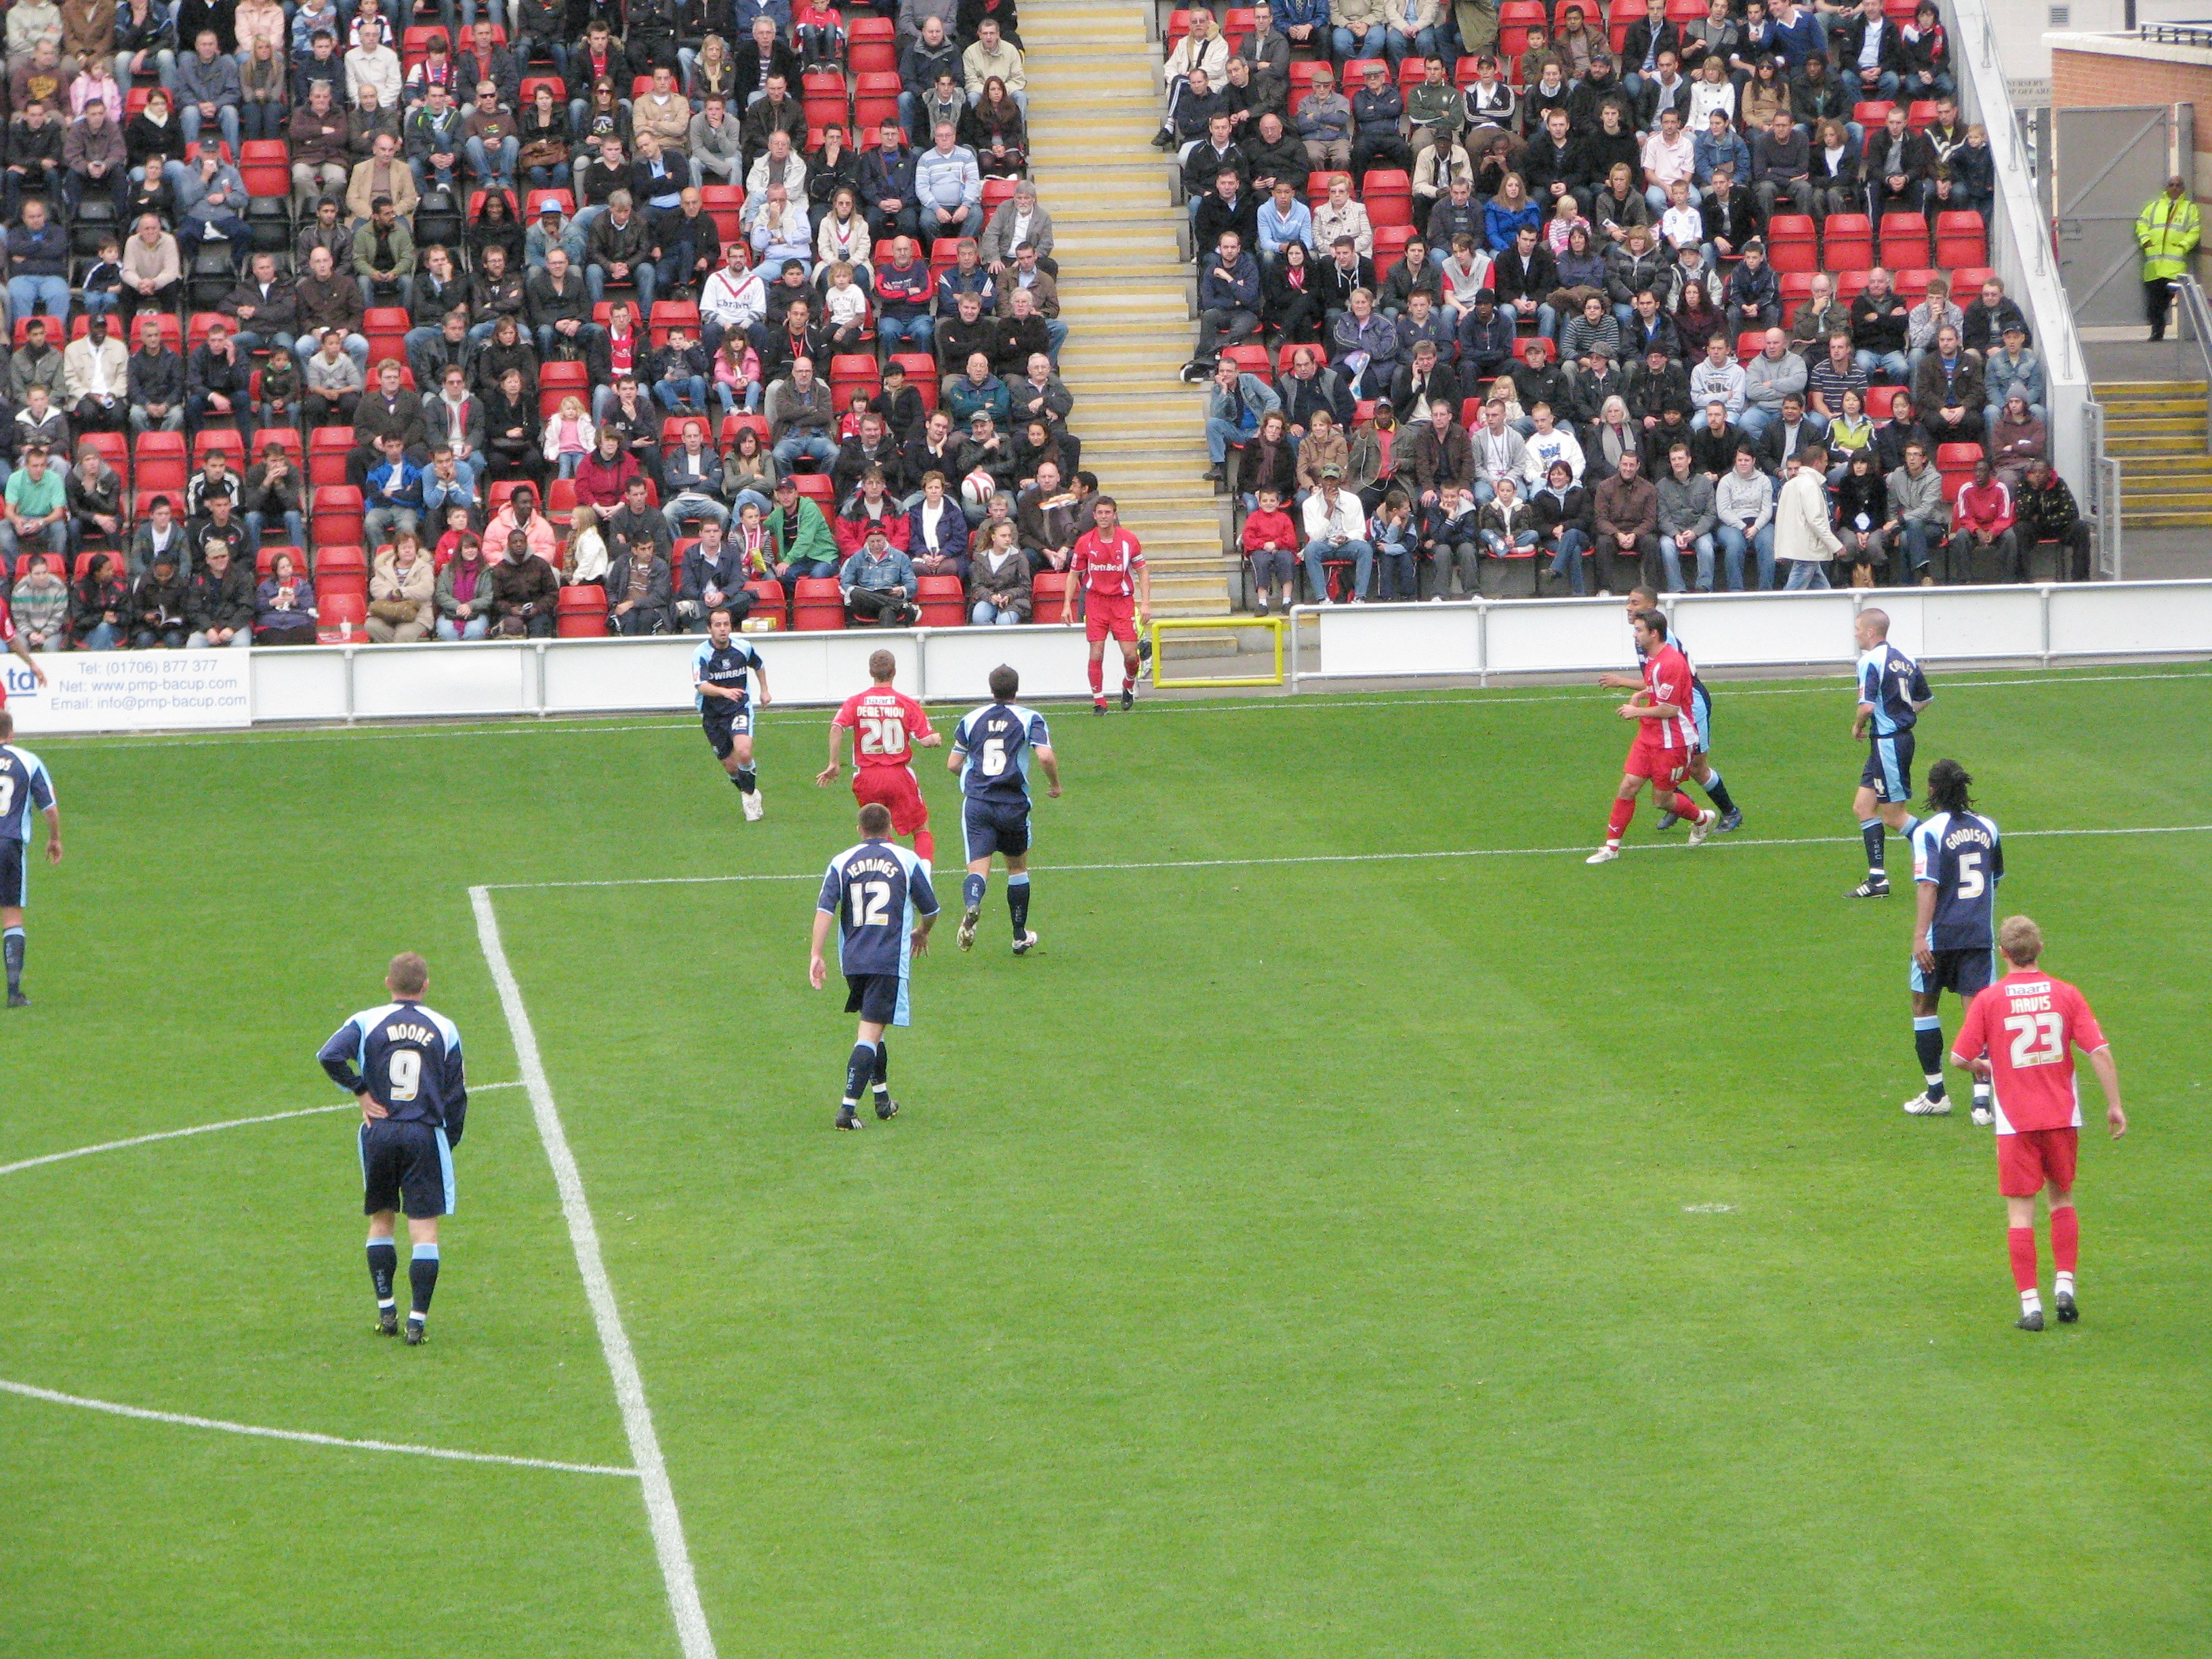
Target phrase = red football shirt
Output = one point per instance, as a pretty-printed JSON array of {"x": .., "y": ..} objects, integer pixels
[
  {"x": 1668, "y": 677},
  {"x": 882, "y": 720},
  {"x": 2029, "y": 1024},
  {"x": 1107, "y": 565}
]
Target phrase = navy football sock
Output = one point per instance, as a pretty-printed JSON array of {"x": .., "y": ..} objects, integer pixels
[
  {"x": 423, "y": 1278},
  {"x": 1927, "y": 1042},
  {"x": 1872, "y": 830},
  {"x": 883, "y": 1067},
  {"x": 971, "y": 892},
  {"x": 15, "y": 955},
  {"x": 859, "y": 1071},
  {"x": 383, "y": 1268},
  {"x": 1718, "y": 793},
  {"x": 1017, "y": 901},
  {"x": 748, "y": 780}
]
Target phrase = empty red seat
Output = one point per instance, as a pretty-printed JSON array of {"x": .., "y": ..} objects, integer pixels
[
  {"x": 341, "y": 615},
  {"x": 1904, "y": 239},
  {"x": 580, "y": 612},
  {"x": 1848, "y": 239},
  {"x": 1962, "y": 238},
  {"x": 770, "y": 608},
  {"x": 266, "y": 166},
  {"x": 817, "y": 605},
  {"x": 1047, "y": 592},
  {"x": 943, "y": 601}
]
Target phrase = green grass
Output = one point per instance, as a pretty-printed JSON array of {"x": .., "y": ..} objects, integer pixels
[{"x": 1292, "y": 1259}]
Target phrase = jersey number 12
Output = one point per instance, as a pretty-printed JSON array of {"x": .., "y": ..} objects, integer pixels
[{"x": 870, "y": 902}]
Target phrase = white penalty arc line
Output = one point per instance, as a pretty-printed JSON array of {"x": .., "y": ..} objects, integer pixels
[
  {"x": 204, "y": 1130},
  {"x": 661, "y": 1514},
  {"x": 1415, "y": 857},
  {"x": 256, "y": 1431}
]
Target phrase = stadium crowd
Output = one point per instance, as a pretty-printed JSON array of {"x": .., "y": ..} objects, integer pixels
[
  {"x": 351, "y": 318},
  {"x": 1483, "y": 287}
]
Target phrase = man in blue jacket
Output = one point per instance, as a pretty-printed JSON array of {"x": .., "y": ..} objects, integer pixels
[{"x": 1228, "y": 300}]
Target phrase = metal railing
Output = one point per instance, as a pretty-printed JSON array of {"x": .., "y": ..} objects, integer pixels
[{"x": 2193, "y": 327}]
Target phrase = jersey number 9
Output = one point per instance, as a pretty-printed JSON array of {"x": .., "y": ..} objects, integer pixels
[
  {"x": 402, "y": 1073},
  {"x": 869, "y": 904}
]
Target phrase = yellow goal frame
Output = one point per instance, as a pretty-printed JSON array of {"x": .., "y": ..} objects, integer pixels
[{"x": 1163, "y": 625}]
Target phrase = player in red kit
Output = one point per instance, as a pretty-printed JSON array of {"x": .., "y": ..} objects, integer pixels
[
  {"x": 1109, "y": 563},
  {"x": 1665, "y": 737},
  {"x": 2020, "y": 1034},
  {"x": 14, "y": 642},
  {"x": 886, "y": 725}
]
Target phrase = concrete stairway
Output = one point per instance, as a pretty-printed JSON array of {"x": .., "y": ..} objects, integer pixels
[
  {"x": 2156, "y": 430},
  {"x": 1126, "y": 289}
]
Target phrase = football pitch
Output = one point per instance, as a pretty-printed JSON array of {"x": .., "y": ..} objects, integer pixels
[{"x": 1362, "y": 1229}]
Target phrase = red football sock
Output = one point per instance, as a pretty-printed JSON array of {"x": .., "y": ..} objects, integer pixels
[
  {"x": 2020, "y": 1240},
  {"x": 1623, "y": 810},
  {"x": 2065, "y": 1237},
  {"x": 925, "y": 845},
  {"x": 1129, "y": 672},
  {"x": 1098, "y": 676},
  {"x": 1683, "y": 807}
]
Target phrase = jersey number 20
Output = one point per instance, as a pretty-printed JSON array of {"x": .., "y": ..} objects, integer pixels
[
  {"x": 402, "y": 1073},
  {"x": 881, "y": 735},
  {"x": 870, "y": 902}
]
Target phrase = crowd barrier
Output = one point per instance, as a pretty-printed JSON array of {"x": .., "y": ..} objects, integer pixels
[
  {"x": 163, "y": 690},
  {"x": 1488, "y": 639}
]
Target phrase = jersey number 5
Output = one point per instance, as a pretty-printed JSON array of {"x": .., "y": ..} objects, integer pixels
[
  {"x": 2037, "y": 1039},
  {"x": 870, "y": 902},
  {"x": 881, "y": 735},
  {"x": 402, "y": 1073},
  {"x": 1970, "y": 875}
]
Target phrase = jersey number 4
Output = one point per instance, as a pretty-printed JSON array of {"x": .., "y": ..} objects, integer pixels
[
  {"x": 2037, "y": 1039},
  {"x": 883, "y": 735},
  {"x": 869, "y": 904},
  {"x": 402, "y": 1073}
]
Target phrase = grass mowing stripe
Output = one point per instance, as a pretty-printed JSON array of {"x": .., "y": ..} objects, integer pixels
[
  {"x": 1334, "y": 858},
  {"x": 300, "y": 1437},
  {"x": 667, "y": 1525}
]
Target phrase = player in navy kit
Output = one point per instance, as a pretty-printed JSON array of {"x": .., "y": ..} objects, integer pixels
[
  {"x": 25, "y": 789},
  {"x": 403, "y": 1062},
  {"x": 1700, "y": 770},
  {"x": 1892, "y": 693},
  {"x": 1957, "y": 859},
  {"x": 991, "y": 752},
  {"x": 725, "y": 705},
  {"x": 877, "y": 895}
]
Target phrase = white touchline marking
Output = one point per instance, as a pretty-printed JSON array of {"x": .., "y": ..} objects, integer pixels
[
  {"x": 1341, "y": 858},
  {"x": 207, "y": 1129},
  {"x": 1472, "y": 695},
  {"x": 667, "y": 1525},
  {"x": 254, "y": 1430}
]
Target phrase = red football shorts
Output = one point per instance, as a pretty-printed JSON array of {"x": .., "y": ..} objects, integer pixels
[
  {"x": 1664, "y": 767},
  {"x": 2026, "y": 1160},
  {"x": 1117, "y": 617},
  {"x": 893, "y": 787}
]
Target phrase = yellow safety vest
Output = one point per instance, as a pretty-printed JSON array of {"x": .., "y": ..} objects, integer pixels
[{"x": 2167, "y": 231}]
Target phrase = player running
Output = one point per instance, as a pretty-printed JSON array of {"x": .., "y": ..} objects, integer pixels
[
  {"x": 885, "y": 725},
  {"x": 2020, "y": 1034},
  {"x": 1666, "y": 733},
  {"x": 1701, "y": 707},
  {"x": 725, "y": 705},
  {"x": 1957, "y": 859},
  {"x": 991, "y": 752},
  {"x": 878, "y": 897},
  {"x": 1892, "y": 693},
  {"x": 25, "y": 789},
  {"x": 403, "y": 1063},
  {"x": 1108, "y": 564}
]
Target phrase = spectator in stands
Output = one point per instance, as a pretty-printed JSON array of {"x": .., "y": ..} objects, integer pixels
[
  {"x": 1228, "y": 305},
  {"x": 220, "y": 607},
  {"x": 319, "y": 140},
  {"x": 158, "y": 536},
  {"x": 334, "y": 379},
  {"x": 1878, "y": 321},
  {"x": 217, "y": 384},
  {"x": 1982, "y": 329},
  {"x": 271, "y": 491},
  {"x": 1626, "y": 516},
  {"x": 1802, "y": 538},
  {"x": 1949, "y": 392},
  {"x": 877, "y": 583},
  {"x": 1916, "y": 513},
  {"x": 2017, "y": 436},
  {"x": 2014, "y": 369},
  {"x": 432, "y": 140},
  {"x": 1838, "y": 372},
  {"x": 96, "y": 376},
  {"x": 948, "y": 188},
  {"x": 1743, "y": 520},
  {"x": 1776, "y": 373},
  {"x": 1982, "y": 522},
  {"x": 2045, "y": 512},
  {"x": 558, "y": 303},
  {"x": 1233, "y": 405},
  {"x": 1336, "y": 533},
  {"x": 157, "y": 606},
  {"x": 1921, "y": 323},
  {"x": 329, "y": 303},
  {"x": 524, "y": 592},
  {"x": 38, "y": 264},
  {"x": 1898, "y": 168},
  {"x": 208, "y": 91},
  {"x": 1926, "y": 72},
  {"x": 936, "y": 538},
  {"x": 799, "y": 416},
  {"x": 382, "y": 178},
  {"x": 402, "y": 593},
  {"x": 95, "y": 160}
]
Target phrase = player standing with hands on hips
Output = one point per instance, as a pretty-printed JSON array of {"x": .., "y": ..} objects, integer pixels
[
  {"x": 1109, "y": 564},
  {"x": 877, "y": 895},
  {"x": 2020, "y": 1034},
  {"x": 25, "y": 789},
  {"x": 402, "y": 1061}
]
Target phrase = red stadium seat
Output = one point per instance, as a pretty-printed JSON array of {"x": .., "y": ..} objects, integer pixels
[
  {"x": 817, "y": 605},
  {"x": 1962, "y": 238},
  {"x": 1848, "y": 241},
  {"x": 1957, "y": 458},
  {"x": 1389, "y": 248},
  {"x": 1879, "y": 400},
  {"x": 732, "y": 424},
  {"x": 1791, "y": 243},
  {"x": 267, "y": 558},
  {"x": 580, "y": 612},
  {"x": 266, "y": 166},
  {"x": 770, "y": 608},
  {"x": 1920, "y": 113},
  {"x": 869, "y": 48},
  {"x": 342, "y": 617},
  {"x": 158, "y": 461},
  {"x": 943, "y": 601},
  {"x": 1904, "y": 239},
  {"x": 228, "y": 439},
  {"x": 1249, "y": 359},
  {"x": 336, "y": 514},
  {"x": 1749, "y": 345},
  {"x": 1047, "y": 592},
  {"x": 1872, "y": 112}
]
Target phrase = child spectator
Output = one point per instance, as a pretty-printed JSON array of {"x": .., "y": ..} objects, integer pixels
[
  {"x": 1271, "y": 543},
  {"x": 568, "y": 437}
]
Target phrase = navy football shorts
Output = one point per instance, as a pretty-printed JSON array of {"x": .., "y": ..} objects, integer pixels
[
  {"x": 878, "y": 998},
  {"x": 14, "y": 874},
  {"x": 405, "y": 1166},
  {"x": 723, "y": 730},
  {"x": 1965, "y": 972},
  {"x": 993, "y": 826},
  {"x": 1889, "y": 768}
]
